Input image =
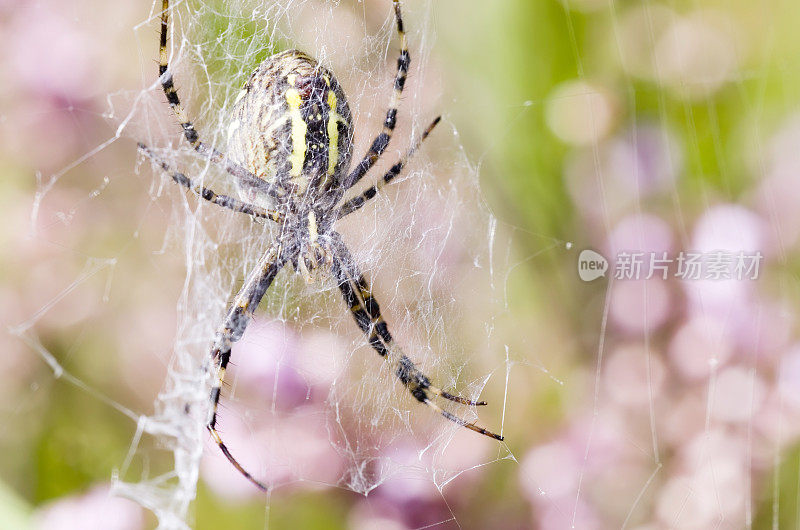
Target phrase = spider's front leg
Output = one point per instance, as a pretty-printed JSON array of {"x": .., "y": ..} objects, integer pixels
[
  {"x": 367, "y": 314},
  {"x": 232, "y": 330}
]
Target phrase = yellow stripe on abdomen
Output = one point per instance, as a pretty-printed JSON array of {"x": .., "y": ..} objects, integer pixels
[
  {"x": 299, "y": 128},
  {"x": 333, "y": 133}
]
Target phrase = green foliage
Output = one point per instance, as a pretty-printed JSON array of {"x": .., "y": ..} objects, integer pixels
[
  {"x": 779, "y": 507},
  {"x": 320, "y": 511}
]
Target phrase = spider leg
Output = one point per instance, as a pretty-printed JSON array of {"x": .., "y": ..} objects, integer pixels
[
  {"x": 382, "y": 140},
  {"x": 358, "y": 201},
  {"x": 231, "y": 331},
  {"x": 367, "y": 314},
  {"x": 244, "y": 176},
  {"x": 210, "y": 195}
]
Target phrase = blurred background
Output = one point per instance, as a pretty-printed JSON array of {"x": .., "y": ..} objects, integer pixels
[{"x": 653, "y": 127}]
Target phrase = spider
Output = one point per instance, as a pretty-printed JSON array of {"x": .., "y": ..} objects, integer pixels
[{"x": 290, "y": 142}]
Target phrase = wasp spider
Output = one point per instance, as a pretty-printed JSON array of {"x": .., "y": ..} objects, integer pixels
[{"x": 290, "y": 142}]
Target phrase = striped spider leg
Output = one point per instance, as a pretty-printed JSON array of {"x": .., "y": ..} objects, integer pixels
[
  {"x": 290, "y": 143},
  {"x": 381, "y": 142},
  {"x": 232, "y": 329},
  {"x": 244, "y": 177},
  {"x": 360, "y": 200},
  {"x": 225, "y": 201},
  {"x": 367, "y": 314}
]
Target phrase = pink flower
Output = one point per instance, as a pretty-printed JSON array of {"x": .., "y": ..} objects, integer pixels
[
  {"x": 640, "y": 306},
  {"x": 95, "y": 510}
]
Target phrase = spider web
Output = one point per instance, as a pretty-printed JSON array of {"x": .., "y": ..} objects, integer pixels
[
  {"x": 309, "y": 404},
  {"x": 630, "y": 404}
]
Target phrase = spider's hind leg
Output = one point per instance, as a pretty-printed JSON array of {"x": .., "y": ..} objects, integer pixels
[
  {"x": 242, "y": 174},
  {"x": 381, "y": 142},
  {"x": 366, "y": 312},
  {"x": 360, "y": 200}
]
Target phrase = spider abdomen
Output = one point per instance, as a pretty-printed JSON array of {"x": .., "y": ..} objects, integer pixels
[{"x": 291, "y": 126}]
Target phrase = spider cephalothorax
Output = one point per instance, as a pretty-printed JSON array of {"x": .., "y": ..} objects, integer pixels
[
  {"x": 290, "y": 142},
  {"x": 291, "y": 127}
]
